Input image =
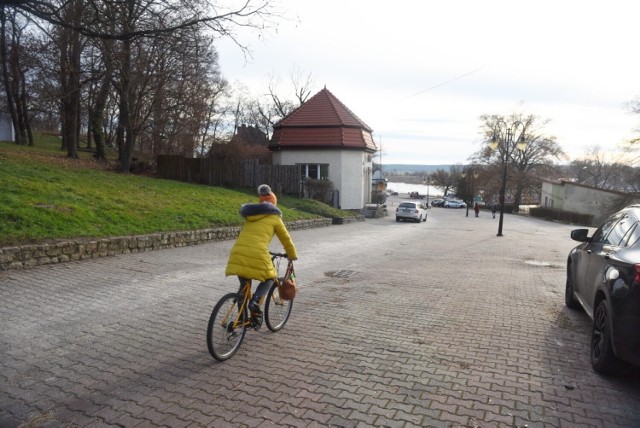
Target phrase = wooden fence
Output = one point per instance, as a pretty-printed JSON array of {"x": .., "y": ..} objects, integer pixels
[{"x": 230, "y": 173}]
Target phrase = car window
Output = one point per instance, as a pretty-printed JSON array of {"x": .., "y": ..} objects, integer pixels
[
  {"x": 407, "y": 205},
  {"x": 632, "y": 236},
  {"x": 606, "y": 227},
  {"x": 619, "y": 230}
]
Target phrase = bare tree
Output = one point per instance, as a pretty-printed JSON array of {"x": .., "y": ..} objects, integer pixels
[
  {"x": 524, "y": 166},
  {"x": 217, "y": 110},
  {"x": 188, "y": 90},
  {"x": 302, "y": 84},
  {"x": 634, "y": 107},
  {"x": 14, "y": 59},
  {"x": 276, "y": 106},
  {"x": 447, "y": 180},
  {"x": 43, "y": 84},
  {"x": 99, "y": 87},
  {"x": 155, "y": 16},
  {"x": 602, "y": 170},
  {"x": 132, "y": 24},
  {"x": 70, "y": 44}
]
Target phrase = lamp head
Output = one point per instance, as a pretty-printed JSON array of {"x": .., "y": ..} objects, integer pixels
[
  {"x": 522, "y": 143},
  {"x": 493, "y": 144}
]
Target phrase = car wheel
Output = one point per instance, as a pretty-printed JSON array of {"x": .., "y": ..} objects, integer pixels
[
  {"x": 425, "y": 217},
  {"x": 397, "y": 219},
  {"x": 569, "y": 295},
  {"x": 603, "y": 360}
]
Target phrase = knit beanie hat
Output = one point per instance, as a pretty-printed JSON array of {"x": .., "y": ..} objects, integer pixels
[{"x": 269, "y": 198}]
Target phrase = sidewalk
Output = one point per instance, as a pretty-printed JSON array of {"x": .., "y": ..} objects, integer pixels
[{"x": 397, "y": 324}]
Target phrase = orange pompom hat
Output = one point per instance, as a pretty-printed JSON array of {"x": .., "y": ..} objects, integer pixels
[
  {"x": 266, "y": 195},
  {"x": 269, "y": 198}
]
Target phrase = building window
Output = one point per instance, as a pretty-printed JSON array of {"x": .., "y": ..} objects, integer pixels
[{"x": 317, "y": 171}]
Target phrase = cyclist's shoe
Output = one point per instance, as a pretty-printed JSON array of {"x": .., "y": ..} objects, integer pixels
[
  {"x": 255, "y": 308},
  {"x": 256, "y": 321}
]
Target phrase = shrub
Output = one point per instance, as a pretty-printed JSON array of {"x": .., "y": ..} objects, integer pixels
[
  {"x": 319, "y": 190},
  {"x": 561, "y": 215}
]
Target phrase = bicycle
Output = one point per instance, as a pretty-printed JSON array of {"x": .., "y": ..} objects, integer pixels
[{"x": 231, "y": 317}]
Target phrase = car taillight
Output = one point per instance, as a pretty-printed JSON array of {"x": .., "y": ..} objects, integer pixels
[
  {"x": 417, "y": 211},
  {"x": 636, "y": 277}
]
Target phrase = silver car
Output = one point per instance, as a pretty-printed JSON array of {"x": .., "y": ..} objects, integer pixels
[
  {"x": 454, "y": 204},
  {"x": 411, "y": 211}
]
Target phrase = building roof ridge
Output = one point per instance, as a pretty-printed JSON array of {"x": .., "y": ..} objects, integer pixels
[{"x": 342, "y": 115}]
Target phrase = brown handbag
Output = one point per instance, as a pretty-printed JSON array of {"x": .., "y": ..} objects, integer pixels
[{"x": 287, "y": 286}]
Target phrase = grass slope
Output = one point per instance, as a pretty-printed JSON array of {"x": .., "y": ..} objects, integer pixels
[{"x": 45, "y": 196}]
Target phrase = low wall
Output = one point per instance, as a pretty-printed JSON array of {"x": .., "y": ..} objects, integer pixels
[{"x": 26, "y": 256}]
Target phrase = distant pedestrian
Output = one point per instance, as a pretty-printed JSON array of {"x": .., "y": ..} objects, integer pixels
[
  {"x": 476, "y": 208},
  {"x": 494, "y": 208}
]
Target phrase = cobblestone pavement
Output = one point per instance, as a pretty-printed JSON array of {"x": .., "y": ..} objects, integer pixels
[{"x": 396, "y": 324}]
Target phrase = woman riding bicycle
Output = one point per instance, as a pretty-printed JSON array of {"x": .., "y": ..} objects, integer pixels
[{"x": 249, "y": 258}]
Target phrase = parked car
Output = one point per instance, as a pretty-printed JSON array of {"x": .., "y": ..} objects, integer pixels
[
  {"x": 411, "y": 211},
  {"x": 454, "y": 204},
  {"x": 437, "y": 202},
  {"x": 603, "y": 278}
]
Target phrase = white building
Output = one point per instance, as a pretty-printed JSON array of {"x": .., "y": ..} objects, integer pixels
[
  {"x": 6, "y": 128},
  {"x": 328, "y": 141},
  {"x": 579, "y": 198}
]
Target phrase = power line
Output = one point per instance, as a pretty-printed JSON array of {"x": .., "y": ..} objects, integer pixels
[{"x": 448, "y": 81}]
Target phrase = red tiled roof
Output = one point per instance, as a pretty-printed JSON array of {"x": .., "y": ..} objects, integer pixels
[{"x": 322, "y": 122}]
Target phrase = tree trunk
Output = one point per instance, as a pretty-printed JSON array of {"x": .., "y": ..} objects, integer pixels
[
  {"x": 96, "y": 120},
  {"x": 25, "y": 109},
  {"x": 125, "y": 126},
  {"x": 8, "y": 83},
  {"x": 70, "y": 52}
]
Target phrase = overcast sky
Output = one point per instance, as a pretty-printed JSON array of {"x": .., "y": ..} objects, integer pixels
[{"x": 420, "y": 73}]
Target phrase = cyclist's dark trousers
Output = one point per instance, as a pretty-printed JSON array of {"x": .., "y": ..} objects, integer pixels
[{"x": 261, "y": 290}]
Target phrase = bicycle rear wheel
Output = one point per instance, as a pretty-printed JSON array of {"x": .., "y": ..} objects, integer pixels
[
  {"x": 276, "y": 310},
  {"x": 223, "y": 339}
]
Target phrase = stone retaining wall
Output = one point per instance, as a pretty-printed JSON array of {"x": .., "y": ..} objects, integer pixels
[{"x": 26, "y": 256}]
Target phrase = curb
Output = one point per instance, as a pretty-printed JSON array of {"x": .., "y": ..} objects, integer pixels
[{"x": 28, "y": 256}]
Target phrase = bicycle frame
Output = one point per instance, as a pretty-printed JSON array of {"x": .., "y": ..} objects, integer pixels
[
  {"x": 242, "y": 308},
  {"x": 245, "y": 290}
]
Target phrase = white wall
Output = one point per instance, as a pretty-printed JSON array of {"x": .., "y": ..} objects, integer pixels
[
  {"x": 590, "y": 201},
  {"x": 349, "y": 171},
  {"x": 578, "y": 199},
  {"x": 6, "y": 128},
  {"x": 552, "y": 195}
]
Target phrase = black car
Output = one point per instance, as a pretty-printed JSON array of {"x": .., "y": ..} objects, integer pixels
[{"x": 603, "y": 277}]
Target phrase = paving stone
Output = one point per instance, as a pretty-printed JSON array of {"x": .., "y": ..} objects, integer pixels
[{"x": 442, "y": 324}]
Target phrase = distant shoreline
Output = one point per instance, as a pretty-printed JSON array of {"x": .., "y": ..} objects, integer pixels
[{"x": 402, "y": 168}]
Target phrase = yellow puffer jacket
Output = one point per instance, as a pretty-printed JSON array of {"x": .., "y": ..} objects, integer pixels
[{"x": 249, "y": 256}]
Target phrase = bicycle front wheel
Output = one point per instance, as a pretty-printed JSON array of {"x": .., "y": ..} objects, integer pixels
[
  {"x": 227, "y": 327},
  {"x": 276, "y": 310}
]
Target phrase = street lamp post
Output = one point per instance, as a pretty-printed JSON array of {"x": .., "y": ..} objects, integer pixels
[
  {"x": 427, "y": 181},
  {"x": 503, "y": 138}
]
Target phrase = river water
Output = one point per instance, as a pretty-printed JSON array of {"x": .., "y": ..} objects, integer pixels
[{"x": 422, "y": 189}]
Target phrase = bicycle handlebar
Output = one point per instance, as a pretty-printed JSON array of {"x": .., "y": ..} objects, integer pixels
[{"x": 278, "y": 254}]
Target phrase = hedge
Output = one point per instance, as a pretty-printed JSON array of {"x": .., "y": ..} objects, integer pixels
[{"x": 561, "y": 215}]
